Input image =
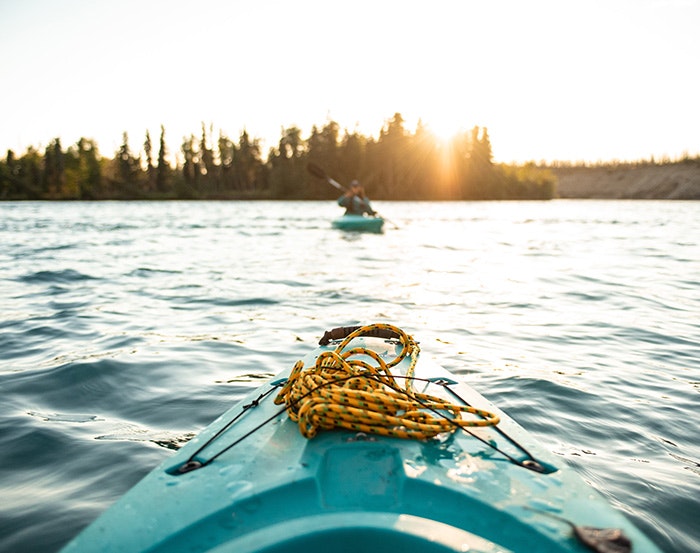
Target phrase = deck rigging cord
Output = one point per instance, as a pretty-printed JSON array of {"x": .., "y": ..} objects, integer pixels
[{"x": 344, "y": 390}]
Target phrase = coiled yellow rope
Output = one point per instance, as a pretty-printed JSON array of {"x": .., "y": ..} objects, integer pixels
[{"x": 343, "y": 390}]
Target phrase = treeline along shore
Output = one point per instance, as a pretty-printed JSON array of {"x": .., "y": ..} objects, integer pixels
[{"x": 396, "y": 165}]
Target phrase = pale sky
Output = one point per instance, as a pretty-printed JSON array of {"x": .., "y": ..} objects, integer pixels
[{"x": 551, "y": 79}]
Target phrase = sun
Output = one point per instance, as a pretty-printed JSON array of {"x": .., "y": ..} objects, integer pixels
[{"x": 445, "y": 128}]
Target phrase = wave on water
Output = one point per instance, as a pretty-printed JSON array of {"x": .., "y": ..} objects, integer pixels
[
  {"x": 128, "y": 327},
  {"x": 65, "y": 276}
]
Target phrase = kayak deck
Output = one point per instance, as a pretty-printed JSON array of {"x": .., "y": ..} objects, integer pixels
[
  {"x": 358, "y": 223},
  {"x": 258, "y": 485}
]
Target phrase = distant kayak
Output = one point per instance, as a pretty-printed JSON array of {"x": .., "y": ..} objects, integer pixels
[
  {"x": 363, "y": 445},
  {"x": 359, "y": 223}
]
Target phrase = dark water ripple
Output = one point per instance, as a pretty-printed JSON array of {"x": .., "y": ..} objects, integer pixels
[
  {"x": 126, "y": 328},
  {"x": 53, "y": 277}
]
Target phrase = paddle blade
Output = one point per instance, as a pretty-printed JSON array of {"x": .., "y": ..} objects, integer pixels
[{"x": 316, "y": 171}]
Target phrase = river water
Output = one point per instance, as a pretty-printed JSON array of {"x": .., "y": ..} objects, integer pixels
[{"x": 125, "y": 328}]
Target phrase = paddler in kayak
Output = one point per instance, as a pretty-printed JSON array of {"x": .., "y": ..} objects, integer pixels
[{"x": 355, "y": 201}]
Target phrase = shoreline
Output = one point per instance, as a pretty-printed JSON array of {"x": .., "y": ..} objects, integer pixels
[{"x": 673, "y": 181}]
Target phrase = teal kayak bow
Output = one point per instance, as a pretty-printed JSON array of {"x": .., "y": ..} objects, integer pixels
[{"x": 364, "y": 445}]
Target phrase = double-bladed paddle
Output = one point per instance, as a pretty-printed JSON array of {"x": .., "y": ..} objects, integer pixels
[{"x": 316, "y": 171}]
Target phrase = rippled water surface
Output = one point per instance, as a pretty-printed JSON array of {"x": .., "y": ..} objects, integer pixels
[{"x": 125, "y": 328}]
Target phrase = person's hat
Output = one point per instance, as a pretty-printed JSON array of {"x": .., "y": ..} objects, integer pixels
[{"x": 355, "y": 183}]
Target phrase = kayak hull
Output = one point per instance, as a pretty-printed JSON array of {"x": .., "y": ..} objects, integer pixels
[
  {"x": 358, "y": 223},
  {"x": 269, "y": 489}
]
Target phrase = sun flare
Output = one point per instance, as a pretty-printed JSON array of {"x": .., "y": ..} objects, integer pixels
[{"x": 444, "y": 129}]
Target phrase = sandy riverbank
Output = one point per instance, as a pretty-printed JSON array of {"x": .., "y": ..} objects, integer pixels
[{"x": 673, "y": 181}]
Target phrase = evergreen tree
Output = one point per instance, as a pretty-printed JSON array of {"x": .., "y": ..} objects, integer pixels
[
  {"x": 127, "y": 167},
  {"x": 6, "y": 175},
  {"x": 323, "y": 147},
  {"x": 91, "y": 182},
  {"x": 28, "y": 172},
  {"x": 286, "y": 165},
  {"x": 190, "y": 168},
  {"x": 227, "y": 155},
  {"x": 11, "y": 184},
  {"x": 150, "y": 170},
  {"x": 247, "y": 163},
  {"x": 392, "y": 149},
  {"x": 430, "y": 166},
  {"x": 482, "y": 178},
  {"x": 83, "y": 172},
  {"x": 351, "y": 156},
  {"x": 206, "y": 156},
  {"x": 54, "y": 169},
  {"x": 162, "y": 169}
]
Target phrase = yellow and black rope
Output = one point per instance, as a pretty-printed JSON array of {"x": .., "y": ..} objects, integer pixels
[{"x": 343, "y": 390}]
